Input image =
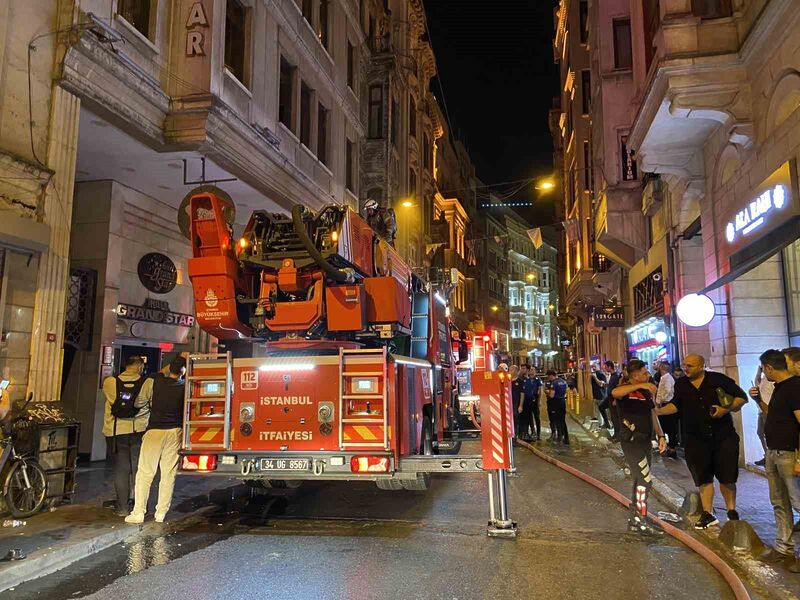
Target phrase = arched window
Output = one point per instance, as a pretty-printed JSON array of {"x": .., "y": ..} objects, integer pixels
[{"x": 785, "y": 100}]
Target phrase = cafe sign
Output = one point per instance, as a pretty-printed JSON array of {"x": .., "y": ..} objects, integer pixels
[
  {"x": 770, "y": 204},
  {"x": 154, "y": 311}
]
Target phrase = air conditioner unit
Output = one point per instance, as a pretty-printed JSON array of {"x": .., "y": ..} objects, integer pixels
[{"x": 652, "y": 197}]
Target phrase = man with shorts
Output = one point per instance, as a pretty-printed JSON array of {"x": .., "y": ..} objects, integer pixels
[
  {"x": 711, "y": 442},
  {"x": 639, "y": 423}
]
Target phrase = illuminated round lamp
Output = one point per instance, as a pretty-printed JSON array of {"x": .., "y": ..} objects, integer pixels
[
  {"x": 661, "y": 337},
  {"x": 695, "y": 310}
]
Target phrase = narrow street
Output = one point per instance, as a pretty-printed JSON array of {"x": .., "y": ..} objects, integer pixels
[{"x": 351, "y": 540}]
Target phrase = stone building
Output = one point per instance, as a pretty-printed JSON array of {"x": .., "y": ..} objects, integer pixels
[{"x": 133, "y": 104}]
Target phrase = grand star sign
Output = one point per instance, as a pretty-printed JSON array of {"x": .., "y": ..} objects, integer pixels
[{"x": 755, "y": 214}]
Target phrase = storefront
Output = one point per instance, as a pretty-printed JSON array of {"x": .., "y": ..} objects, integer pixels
[{"x": 649, "y": 341}]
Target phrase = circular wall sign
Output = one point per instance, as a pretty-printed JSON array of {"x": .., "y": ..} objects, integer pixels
[
  {"x": 157, "y": 273},
  {"x": 696, "y": 310}
]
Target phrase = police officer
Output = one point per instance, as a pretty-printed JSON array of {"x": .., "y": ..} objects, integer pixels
[
  {"x": 529, "y": 415},
  {"x": 557, "y": 408}
]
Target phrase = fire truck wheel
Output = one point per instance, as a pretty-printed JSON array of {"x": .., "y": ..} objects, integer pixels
[{"x": 389, "y": 484}]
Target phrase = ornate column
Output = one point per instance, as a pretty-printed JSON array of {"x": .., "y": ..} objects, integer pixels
[{"x": 48, "y": 314}]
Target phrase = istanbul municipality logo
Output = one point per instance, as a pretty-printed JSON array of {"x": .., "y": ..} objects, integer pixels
[{"x": 755, "y": 214}]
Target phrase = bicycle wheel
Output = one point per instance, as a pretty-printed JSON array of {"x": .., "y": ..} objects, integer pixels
[{"x": 26, "y": 488}]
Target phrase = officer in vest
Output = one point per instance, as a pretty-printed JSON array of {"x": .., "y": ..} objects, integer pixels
[
  {"x": 161, "y": 443},
  {"x": 124, "y": 423}
]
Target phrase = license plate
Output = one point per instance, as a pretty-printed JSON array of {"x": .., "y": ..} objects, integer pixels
[{"x": 286, "y": 464}]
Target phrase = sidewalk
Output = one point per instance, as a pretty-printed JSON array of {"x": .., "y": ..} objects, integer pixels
[
  {"x": 57, "y": 538},
  {"x": 593, "y": 453}
]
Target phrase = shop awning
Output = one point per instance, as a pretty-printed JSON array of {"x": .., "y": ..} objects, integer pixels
[{"x": 754, "y": 254}]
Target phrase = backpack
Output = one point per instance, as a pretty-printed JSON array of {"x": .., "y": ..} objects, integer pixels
[{"x": 123, "y": 406}]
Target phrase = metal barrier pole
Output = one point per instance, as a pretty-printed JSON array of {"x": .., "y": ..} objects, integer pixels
[
  {"x": 491, "y": 499},
  {"x": 512, "y": 469},
  {"x": 502, "y": 527}
]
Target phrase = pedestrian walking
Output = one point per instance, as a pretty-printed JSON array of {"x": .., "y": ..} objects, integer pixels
[
  {"x": 599, "y": 394},
  {"x": 557, "y": 408},
  {"x": 782, "y": 430},
  {"x": 664, "y": 395},
  {"x": 764, "y": 388},
  {"x": 639, "y": 425},
  {"x": 161, "y": 442},
  {"x": 125, "y": 418},
  {"x": 517, "y": 381},
  {"x": 711, "y": 442},
  {"x": 529, "y": 418}
]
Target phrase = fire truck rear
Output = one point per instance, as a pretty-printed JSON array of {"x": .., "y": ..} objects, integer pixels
[{"x": 341, "y": 364}]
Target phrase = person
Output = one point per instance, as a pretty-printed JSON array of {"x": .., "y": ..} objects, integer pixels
[
  {"x": 557, "y": 408},
  {"x": 677, "y": 373},
  {"x": 161, "y": 443},
  {"x": 599, "y": 383},
  {"x": 764, "y": 387},
  {"x": 124, "y": 433},
  {"x": 636, "y": 407},
  {"x": 782, "y": 430},
  {"x": 613, "y": 381},
  {"x": 792, "y": 354},
  {"x": 529, "y": 418},
  {"x": 669, "y": 423},
  {"x": 517, "y": 381},
  {"x": 711, "y": 442}
]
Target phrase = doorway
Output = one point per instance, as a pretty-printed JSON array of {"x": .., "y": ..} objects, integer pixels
[{"x": 151, "y": 356}]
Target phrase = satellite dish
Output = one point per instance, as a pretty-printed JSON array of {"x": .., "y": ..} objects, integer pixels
[{"x": 228, "y": 211}]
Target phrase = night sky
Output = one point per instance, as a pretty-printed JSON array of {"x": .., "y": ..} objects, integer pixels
[{"x": 496, "y": 65}]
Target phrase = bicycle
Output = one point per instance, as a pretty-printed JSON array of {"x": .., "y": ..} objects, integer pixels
[{"x": 24, "y": 484}]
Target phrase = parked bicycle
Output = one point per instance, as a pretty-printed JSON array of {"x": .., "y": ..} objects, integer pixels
[{"x": 24, "y": 484}]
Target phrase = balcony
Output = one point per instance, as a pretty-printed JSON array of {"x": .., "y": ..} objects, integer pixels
[
  {"x": 582, "y": 292},
  {"x": 619, "y": 224}
]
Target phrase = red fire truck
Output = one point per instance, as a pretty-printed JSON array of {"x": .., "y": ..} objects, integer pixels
[{"x": 339, "y": 361}]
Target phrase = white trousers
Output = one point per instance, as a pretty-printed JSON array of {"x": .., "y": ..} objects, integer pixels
[{"x": 159, "y": 450}]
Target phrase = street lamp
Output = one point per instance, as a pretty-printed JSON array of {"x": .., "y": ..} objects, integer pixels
[
  {"x": 545, "y": 185},
  {"x": 495, "y": 308},
  {"x": 530, "y": 276},
  {"x": 407, "y": 204}
]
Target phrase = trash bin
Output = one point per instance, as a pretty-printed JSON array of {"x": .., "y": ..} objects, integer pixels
[{"x": 50, "y": 435}]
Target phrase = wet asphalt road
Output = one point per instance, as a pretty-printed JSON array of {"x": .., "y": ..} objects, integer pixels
[{"x": 351, "y": 540}]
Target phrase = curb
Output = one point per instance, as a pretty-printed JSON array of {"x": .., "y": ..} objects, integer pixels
[
  {"x": 45, "y": 562},
  {"x": 752, "y": 568}
]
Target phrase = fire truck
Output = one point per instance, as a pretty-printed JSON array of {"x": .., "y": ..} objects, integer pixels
[{"x": 339, "y": 362}]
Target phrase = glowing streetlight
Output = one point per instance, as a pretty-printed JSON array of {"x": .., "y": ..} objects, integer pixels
[
  {"x": 545, "y": 185},
  {"x": 406, "y": 204},
  {"x": 530, "y": 276},
  {"x": 495, "y": 308}
]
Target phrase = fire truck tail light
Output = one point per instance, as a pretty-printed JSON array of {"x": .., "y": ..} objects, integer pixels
[
  {"x": 369, "y": 464},
  {"x": 199, "y": 462}
]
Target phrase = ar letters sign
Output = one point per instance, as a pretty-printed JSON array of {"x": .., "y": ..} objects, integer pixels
[{"x": 196, "y": 26}]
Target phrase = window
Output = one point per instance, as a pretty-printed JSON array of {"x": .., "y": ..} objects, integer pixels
[
  {"x": 711, "y": 9},
  {"x": 426, "y": 152},
  {"x": 322, "y": 26},
  {"x": 375, "y": 111},
  {"x": 351, "y": 66},
  {"x": 528, "y": 330},
  {"x": 586, "y": 91},
  {"x": 395, "y": 113},
  {"x": 322, "y": 134},
  {"x": 308, "y": 10},
  {"x": 137, "y": 13},
  {"x": 791, "y": 275},
  {"x": 651, "y": 14},
  {"x": 583, "y": 9},
  {"x": 528, "y": 301},
  {"x": 286, "y": 95},
  {"x": 236, "y": 40},
  {"x": 623, "y": 53},
  {"x": 412, "y": 183},
  {"x": 588, "y": 175},
  {"x": 305, "y": 115},
  {"x": 349, "y": 163},
  {"x": 412, "y": 117}
]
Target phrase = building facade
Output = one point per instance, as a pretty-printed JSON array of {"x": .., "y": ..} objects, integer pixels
[{"x": 695, "y": 139}]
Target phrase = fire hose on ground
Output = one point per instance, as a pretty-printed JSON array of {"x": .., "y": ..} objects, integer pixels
[{"x": 730, "y": 576}]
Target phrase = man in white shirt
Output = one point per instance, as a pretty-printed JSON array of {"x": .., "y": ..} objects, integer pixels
[{"x": 669, "y": 423}]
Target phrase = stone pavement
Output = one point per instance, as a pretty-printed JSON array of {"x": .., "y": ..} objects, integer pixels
[
  {"x": 593, "y": 453},
  {"x": 56, "y": 538}
]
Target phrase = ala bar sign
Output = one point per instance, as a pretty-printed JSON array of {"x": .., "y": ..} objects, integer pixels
[{"x": 755, "y": 214}]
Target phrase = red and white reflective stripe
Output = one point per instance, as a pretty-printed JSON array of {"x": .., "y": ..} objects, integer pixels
[
  {"x": 494, "y": 442},
  {"x": 496, "y": 428}
]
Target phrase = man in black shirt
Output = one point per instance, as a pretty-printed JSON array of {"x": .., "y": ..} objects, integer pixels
[
  {"x": 613, "y": 381},
  {"x": 782, "y": 429},
  {"x": 638, "y": 424},
  {"x": 711, "y": 442},
  {"x": 517, "y": 374},
  {"x": 599, "y": 393},
  {"x": 161, "y": 443}
]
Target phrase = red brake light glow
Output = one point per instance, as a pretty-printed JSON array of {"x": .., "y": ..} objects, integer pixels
[
  {"x": 369, "y": 464},
  {"x": 199, "y": 462}
]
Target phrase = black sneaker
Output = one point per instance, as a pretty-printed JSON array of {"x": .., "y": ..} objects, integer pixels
[
  {"x": 733, "y": 515},
  {"x": 705, "y": 521},
  {"x": 761, "y": 463}
]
